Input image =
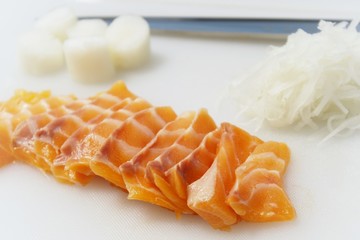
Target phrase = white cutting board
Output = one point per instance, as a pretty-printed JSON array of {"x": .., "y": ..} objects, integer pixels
[{"x": 186, "y": 72}]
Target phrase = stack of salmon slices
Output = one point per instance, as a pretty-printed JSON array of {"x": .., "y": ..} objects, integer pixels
[{"x": 184, "y": 163}]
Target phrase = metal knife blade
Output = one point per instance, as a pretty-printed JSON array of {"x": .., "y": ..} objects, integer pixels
[{"x": 254, "y": 27}]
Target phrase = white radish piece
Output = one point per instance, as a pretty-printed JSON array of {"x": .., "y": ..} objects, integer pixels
[
  {"x": 88, "y": 28},
  {"x": 57, "y": 22},
  {"x": 40, "y": 53},
  {"x": 88, "y": 59},
  {"x": 129, "y": 41}
]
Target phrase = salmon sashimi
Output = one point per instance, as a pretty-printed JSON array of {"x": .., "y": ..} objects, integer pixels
[
  {"x": 186, "y": 163},
  {"x": 175, "y": 180},
  {"x": 19, "y": 108},
  {"x": 184, "y": 146},
  {"x": 258, "y": 195},
  {"x": 38, "y": 139},
  {"x": 85, "y": 143},
  {"x": 23, "y": 135},
  {"x": 49, "y": 139},
  {"x": 73, "y": 145},
  {"x": 207, "y": 195},
  {"x": 133, "y": 172},
  {"x": 127, "y": 140}
]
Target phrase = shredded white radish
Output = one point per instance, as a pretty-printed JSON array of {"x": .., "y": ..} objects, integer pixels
[{"x": 313, "y": 80}]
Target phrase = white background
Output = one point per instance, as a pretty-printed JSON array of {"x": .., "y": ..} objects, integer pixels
[{"x": 187, "y": 72}]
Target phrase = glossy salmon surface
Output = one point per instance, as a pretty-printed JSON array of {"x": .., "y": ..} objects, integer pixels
[
  {"x": 258, "y": 194},
  {"x": 79, "y": 149},
  {"x": 187, "y": 142},
  {"x": 184, "y": 163},
  {"x": 174, "y": 181},
  {"x": 39, "y": 139},
  {"x": 23, "y": 137},
  {"x": 19, "y": 108},
  {"x": 127, "y": 140},
  {"x": 133, "y": 172},
  {"x": 207, "y": 195}
]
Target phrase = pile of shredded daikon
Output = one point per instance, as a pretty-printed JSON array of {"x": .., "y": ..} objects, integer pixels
[{"x": 311, "y": 81}]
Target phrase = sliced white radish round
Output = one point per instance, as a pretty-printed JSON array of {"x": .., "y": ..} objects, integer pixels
[
  {"x": 40, "y": 53},
  {"x": 88, "y": 59},
  {"x": 57, "y": 22},
  {"x": 129, "y": 41},
  {"x": 88, "y": 28}
]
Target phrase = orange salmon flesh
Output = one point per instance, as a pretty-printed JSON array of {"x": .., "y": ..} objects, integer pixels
[{"x": 184, "y": 163}]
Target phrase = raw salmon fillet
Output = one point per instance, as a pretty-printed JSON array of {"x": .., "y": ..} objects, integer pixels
[
  {"x": 40, "y": 138},
  {"x": 174, "y": 181},
  {"x": 19, "y": 108},
  {"x": 58, "y": 165},
  {"x": 23, "y": 135},
  {"x": 207, "y": 195},
  {"x": 186, "y": 163},
  {"x": 127, "y": 140},
  {"x": 77, "y": 151},
  {"x": 169, "y": 155},
  {"x": 133, "y": 172},
  {"x": 258, "y": 195}
]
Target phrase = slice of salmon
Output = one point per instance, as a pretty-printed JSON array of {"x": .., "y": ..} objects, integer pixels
[
  {"x": 39, "y": 139},
  {"x": 185, "y": 164},
  {"x": 70, "y": 144},
  {"x": 258, "y": 195},
  {"x": 207, "y": 196},
  {"x": 173, "y": 182},
  {"x": 23, "y": 135},
  {"x": 183, "y": 147},
  {"x": 13, "y": 112},
  {"x": 19, "y": 108},
  {"x": 76, "y": 153},
  {"x": 49, "y": 139},
  {"x": 73, "y": 145},
  {"x": 127, "y": 140},
  {"x": 133, "y": 171}
]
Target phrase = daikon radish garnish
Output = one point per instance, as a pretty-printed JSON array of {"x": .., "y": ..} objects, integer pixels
[
  {"x": 129, "y": 41},
  {"x": 57, "y": 22},
  {"x": 88, "y": 59},
  {"x": 40, "y": 53},
  {"x": 88, "y": 28},
  {"x": 313, "y": 80},
  {"x": 95, "y": 48}
]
